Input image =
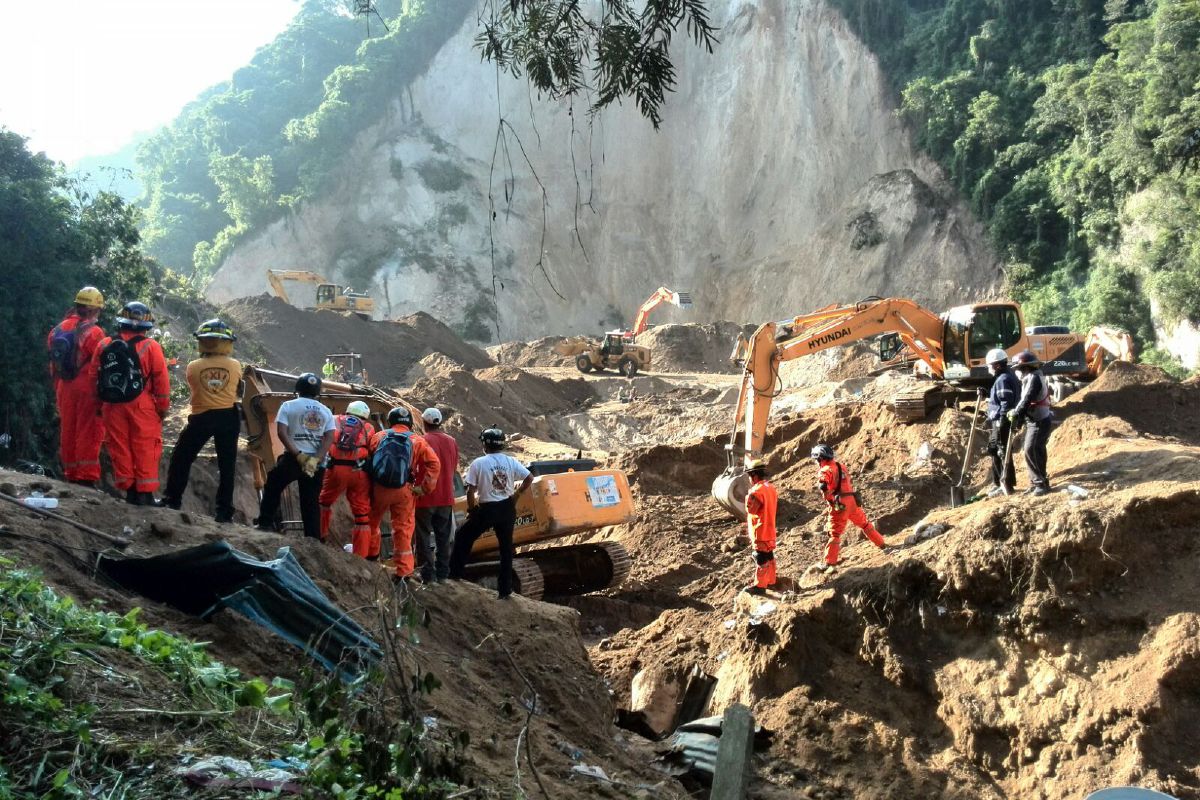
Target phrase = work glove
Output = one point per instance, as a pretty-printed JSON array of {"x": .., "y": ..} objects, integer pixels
[
  {"x": 308, "y": 464},
  {"x": 838, "y": 505},
  {"x": 1012, "y": 415},
  {"x": 763, "y": 557}
]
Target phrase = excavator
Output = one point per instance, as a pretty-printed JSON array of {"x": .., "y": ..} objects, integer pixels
[
  {"x": 330, "y": 296},
  {"x": 566, "y": 497},
  {"x": 948, "y": 348},
  {"x": 617, "y": 349},
  {"x": 660, "y": 296}
]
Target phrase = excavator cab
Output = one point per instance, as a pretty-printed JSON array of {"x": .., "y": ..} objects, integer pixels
[
  {"x": 971, "y": 331},
  {"x": 889, "y": 345}
]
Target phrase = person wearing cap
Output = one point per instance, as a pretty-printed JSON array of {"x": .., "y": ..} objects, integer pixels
[
  {"x": 304, "y": 426},
  {"x": 346, "y": 470},
  {"x": 399, "y": 501},
  {"x": 133, "y": 413},
  {"x": 493, "y": 482},
  {"x": 836, "y": 489},
  {"x": 1034, "y": 408},
  {"x": 761, "y": 502},
  {"x": 1002, "y": 398},
  {"x": 215, "y": 383},
  {"x": 72, "y": 345},
  {"x": 435, "y": 510}
]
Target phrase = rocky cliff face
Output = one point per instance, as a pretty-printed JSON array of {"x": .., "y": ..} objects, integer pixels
[{"x": 780, "y": 180}]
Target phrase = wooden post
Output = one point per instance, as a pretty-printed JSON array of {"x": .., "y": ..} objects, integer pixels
[{"x": 731, "y": 778}]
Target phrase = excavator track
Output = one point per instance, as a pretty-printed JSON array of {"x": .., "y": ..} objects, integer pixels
[
  {"x": 527, "y": 576},
  {"x": 580, "y": 568},
  {"x": 913, "y": 405}
]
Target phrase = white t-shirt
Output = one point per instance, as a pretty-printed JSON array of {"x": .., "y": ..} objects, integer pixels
[
  {"x": 495, "y": 477},
  {"x": 307, "y": 422}
]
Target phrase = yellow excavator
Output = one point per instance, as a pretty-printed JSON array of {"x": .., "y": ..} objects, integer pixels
[
  {"x": 948, "y": 348},
  {"x": 330, "y": 296},
  {"x": 617, "y": 349},
  {"x": 566, "y": 497},
  {"x": 660, "y": 296}
]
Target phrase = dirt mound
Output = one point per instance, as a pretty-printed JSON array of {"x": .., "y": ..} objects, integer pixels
[
  {"x": 692, "y": 347},
  {"x": 481, "y": 651},
  {"x": 1145, "y": 397},
  {"x": 538, "y": 353},
  {"x": 290, "y": 339},
  {"x": 834, "y": 364}
]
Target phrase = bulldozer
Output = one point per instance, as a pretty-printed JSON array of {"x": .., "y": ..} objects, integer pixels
[
  {"x": 566, "y": 497},
  {"x": 330, "y": 296},
  {"x": 946, "y": 349},
  {"x": 617, "y": 350}
]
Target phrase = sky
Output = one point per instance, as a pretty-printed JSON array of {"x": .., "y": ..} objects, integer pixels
[{"x": 82, "y": 77}]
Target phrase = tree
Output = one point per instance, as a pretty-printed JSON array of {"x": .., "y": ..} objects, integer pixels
[{"x": 611, "y": 49}]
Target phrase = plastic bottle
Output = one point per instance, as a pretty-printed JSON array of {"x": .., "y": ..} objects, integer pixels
[{"x": 35, "y": 500}]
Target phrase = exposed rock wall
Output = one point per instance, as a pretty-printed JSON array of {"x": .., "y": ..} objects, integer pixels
[{"x": 780, "y": 180}]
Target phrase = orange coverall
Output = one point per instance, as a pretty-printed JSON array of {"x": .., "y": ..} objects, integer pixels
[
  {"x": 80, "y": 427},
  {"x": 134, "y": 430},
  {"x": 347, "y": 473},
  {"x": 761, "y": 502},
  {"x": 836, "y": 488},
  {"x": 400, "y": 503}
]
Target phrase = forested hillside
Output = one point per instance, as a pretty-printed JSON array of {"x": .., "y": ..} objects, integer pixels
[{"x": 1073, "y": 126}]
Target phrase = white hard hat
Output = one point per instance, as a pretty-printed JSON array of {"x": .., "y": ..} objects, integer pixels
[
  {"x": 996, "y": 356},
  {"x": 359, "y": 409},
  {"x": 432, "y": 416}
]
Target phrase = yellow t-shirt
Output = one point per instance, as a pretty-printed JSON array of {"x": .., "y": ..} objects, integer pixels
[{"x": 214, "y": 382}]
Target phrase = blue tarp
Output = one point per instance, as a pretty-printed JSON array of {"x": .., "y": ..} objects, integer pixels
[{"x": 277, "y": 594}]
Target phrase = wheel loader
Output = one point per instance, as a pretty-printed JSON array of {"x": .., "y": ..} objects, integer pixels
[
  {"x": 615, "y": 352},
  {"x": 565, "y": 498}
]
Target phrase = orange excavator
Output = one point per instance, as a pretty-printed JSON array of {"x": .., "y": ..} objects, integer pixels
[
  {"x": 662, "y": 295},
  {"x": 949, "y": 348}
]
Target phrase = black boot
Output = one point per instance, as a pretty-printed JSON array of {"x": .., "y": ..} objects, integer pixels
[
  {"x": 131, "y": 496},
  {"x": 148, "y": 499}
]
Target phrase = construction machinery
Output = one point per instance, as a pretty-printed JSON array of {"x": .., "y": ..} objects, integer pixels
[
  {"x": 614, "y": 352},
  {"x": 330, "y": 296},
  {"x": 947, "y": 348},
  {"x": 349, "y": 367},
  {"x": 660, "y": 296},
  {"x": 565, "y": 498}
]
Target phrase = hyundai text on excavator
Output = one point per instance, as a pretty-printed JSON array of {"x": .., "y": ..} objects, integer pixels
[
  {"x": 566, "y": 497},
  {"x": 617, "y": 349},
  {"x": 949, "y": 348},
  {"x": 330, "y": 296}
]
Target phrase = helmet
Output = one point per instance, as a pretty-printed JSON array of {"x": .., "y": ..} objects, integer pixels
[
  {"x": 359, "y": 409},
  {"x": 308, "y": 385},
  {"x": 996, "y": 356},
  {"x": 400, "y": 415},
  {"x": 89, "y": 296},
  {"x": 1026, "y": 359},
  {"x": 492, "y": 436},
  {"x": 432, "y": 416},
  {"x": 822, "y": 452},
  {"x": 136, "y": 316},
  {"x": 757, "y": 465},
  {"x": 215, "y": 329}
]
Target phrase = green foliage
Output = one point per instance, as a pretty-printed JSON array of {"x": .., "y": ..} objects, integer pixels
[
  {"x": 248, "y": 150},
  {"x": 864, "y": 230},
  {"x": 54, "y": 239},
  {"x": 478, "y": 320},
  {"x": 1071, "y": 126}
]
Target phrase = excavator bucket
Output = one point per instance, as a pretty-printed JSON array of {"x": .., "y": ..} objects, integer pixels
[
  {"x": 730, "y": 489},
  {"x": 681, "y": 299}
]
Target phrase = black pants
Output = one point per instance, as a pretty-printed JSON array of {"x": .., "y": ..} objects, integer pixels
[
  {"x": 223, "y": 426},
  {"x": 1037, "y": 434},
  {"x": 997, "y": 449},
  {"x": 435, "y": 528},
  {"x": 500, "y": 517},
  {"x": 286, "y": 471}
]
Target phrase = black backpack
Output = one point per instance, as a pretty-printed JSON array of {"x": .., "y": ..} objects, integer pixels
[
  {"x": 121, "y": 378},
  {"x": 391, "y": 466},
  {"x": 64, "y": 350}
]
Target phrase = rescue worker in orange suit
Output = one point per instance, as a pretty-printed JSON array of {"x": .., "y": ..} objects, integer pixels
[
  {"x": 400, "y": 502},
  {"x": 761, "y": 502},
  {"x": 72, "y": 345},
  {"x": 133, "y": 427},
  {"x": 834, "y": 483},
  {"x": 346, "y": 472}
]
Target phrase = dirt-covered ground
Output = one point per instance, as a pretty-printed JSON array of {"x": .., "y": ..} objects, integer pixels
[{"x": 1029, "y": 648}]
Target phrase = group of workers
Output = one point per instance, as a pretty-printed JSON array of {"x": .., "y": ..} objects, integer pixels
[{"x": 1020, "y": 394}]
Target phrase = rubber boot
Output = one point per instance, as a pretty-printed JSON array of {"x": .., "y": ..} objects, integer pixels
[
  {"x": 131, "y": 496},
  {"x": 148, "y": 499}
]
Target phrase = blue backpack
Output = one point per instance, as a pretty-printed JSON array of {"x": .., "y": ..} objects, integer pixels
[
  {"x": 64, "y": 350},
  {"x": 391, "y": 466}
]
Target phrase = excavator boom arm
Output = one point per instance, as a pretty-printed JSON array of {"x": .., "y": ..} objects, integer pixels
[
  {"x": 663, "y": 295},
  {"x": 276, "y": 277},
  {"x": 1101, "y": 340}
]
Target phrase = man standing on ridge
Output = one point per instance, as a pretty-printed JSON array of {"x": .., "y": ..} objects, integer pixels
[
  {"x": 346, "y": 471},
  {"x": 214, "y": 379},
  {"x": 403, "y": 467},
  {"x": 72, "y": 345},
  {"x": 435, "y": 510},
  {"x": 834, "y": 482},
  {"x": 492, "y": 489},
  {"x": 136, "y": 394},
  {"x": 1006, "y": 390},
  {"x": 1034, "y": 407},
  {"x": 761, "y": 503},
  {"x": 305, "y": 429}
]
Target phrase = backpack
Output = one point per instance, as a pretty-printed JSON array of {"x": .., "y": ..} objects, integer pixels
[
  {"x": 391, "y": 466},
  {"x": 64, "y": 350},
  {"x": 121, "y": 378},
  {"x": 349, "y": 439}
]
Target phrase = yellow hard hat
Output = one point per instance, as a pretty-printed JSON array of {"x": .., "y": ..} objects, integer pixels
[
  {"x": 89, "y": 296},
  {"x": 757, "y": 465}
]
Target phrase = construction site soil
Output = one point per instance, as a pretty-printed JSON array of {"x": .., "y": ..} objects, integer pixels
[{"x": 1014, "y": 647}]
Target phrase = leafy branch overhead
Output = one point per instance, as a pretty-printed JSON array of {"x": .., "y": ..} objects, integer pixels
[{"x": 610, "y": 49}]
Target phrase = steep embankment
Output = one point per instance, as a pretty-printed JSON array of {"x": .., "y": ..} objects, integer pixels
[{"x": 780, "y": 180}]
